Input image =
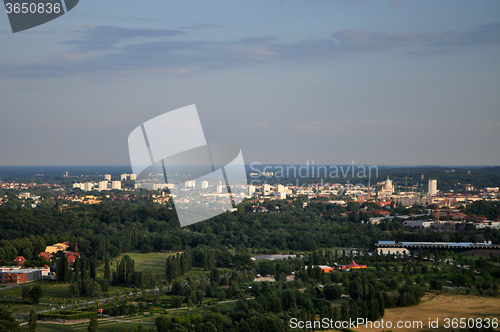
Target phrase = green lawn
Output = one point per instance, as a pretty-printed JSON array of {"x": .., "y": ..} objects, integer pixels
[
  {"x": 42, "y": 327},
  {"x": 154, "y": 261}
]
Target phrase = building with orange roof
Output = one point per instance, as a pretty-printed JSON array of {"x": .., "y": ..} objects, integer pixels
[{"x": 20, "y": 260}]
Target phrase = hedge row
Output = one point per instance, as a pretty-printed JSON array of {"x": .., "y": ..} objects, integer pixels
[{"x": 67, "y": 315}]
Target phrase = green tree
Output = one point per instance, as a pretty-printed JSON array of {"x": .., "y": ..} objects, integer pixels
[
  {"x": 93, "y": 324},
  {"x": 36, "y": 294},
  {"x": 25, "y": 293},
  {"x": 92, "y": 269},
  {"x": 107, "y": 270},
  {"x": 32, "y": 320},
  {"x": 8, "y": 323}
]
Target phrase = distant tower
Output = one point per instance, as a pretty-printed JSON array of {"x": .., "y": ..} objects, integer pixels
[
  {"x": 369, "y": 189},
  {"x": 432, "y": 187},
  {"x": 107, "y": 177}
]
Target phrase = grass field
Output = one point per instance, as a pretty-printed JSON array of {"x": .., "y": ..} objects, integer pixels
[
  {"x": 441, "y": 307},
  {"x": 154, "y": 261}
]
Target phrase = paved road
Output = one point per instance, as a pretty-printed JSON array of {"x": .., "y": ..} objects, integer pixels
[{"x": 20, "y": 285}]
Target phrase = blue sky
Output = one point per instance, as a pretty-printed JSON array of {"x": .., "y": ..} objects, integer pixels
[{"x": 374, "y": 82}]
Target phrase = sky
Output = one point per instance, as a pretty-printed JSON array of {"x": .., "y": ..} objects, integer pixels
[{"x": 379, "y": 82}]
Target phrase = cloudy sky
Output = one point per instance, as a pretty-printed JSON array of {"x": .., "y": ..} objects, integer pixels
[{"x": 289, "y": 81}]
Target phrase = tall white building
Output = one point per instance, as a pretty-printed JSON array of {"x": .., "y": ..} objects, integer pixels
[
  {"x": 103, "y": 185},
  {"x": 266, "y": 188},
  {"x": 88, "y": 186},
  {"x": 251, "y": 190},
  {"x": 132, "y": 177},
  {"x": 123, "y": 177},
  {"x": 190, "y": 184},
  {"x": 219, "y": 189},
  {"x": 280, "y": 188},
  {"x": 116, "y": 185},
  {"x": 204, "y": 184},
  {"x": 107, "y": 177},
  {"x": 433, "y": 185}
]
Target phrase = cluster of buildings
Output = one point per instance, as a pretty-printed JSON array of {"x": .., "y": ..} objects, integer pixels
[
  {"x": 19, "y": 274},
  {"x": 101, "y": 185},
  {"x": 106, "y": 184},
  {"x": 448, "y": 204},
  {"x": 25, "y": 186},
  {"x": 479, "y": 222},
  {"x": 387, "y": 192}
]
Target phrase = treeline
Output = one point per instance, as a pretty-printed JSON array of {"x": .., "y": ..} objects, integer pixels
[
  {"x": 177, "y": 265},
  {"x": 126, "y": 275}
]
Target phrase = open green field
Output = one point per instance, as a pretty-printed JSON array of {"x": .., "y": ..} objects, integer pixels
[{"x": 154, "y": 261}]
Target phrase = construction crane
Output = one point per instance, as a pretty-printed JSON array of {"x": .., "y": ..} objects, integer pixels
[{"x": 438, "y": 210}]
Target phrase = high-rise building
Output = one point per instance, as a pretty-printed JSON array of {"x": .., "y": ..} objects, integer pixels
[
  {"x": 190, "y": 184},
  {"x": 88, "y": 186},
  {"x": 123, "y": 177},
  {"x": 280, "y": 188},
  {"x": 251, "y": 190},
  {"x": 219, "y": 189},
  {"x": 433, "y": 184},
  {"x": 204, "y": 184},
  {"x": 103, "y": 185},
  {"x": 107, "y": 177},
  {"x": 132, "y": 177},
  {"x": 266, "y": 188},
  {"x": 116, "y": 185}
]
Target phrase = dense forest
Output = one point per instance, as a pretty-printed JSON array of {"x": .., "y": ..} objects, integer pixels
[{"x": 115, "y": 227}]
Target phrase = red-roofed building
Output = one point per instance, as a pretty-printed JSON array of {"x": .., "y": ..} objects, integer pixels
[
  {"x": 20, "y": 260},
  {"x": 71, "y": 260},
  {"x": 72, "y": 257},
  {"x": 45, "y": 255},
  {"x": 458, "y": 215},
  {"x": 383, "y": 204}
]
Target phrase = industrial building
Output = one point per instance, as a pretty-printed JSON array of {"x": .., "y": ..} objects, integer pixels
[{"x": 19, "y": 276}]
